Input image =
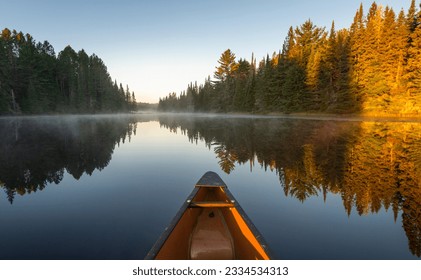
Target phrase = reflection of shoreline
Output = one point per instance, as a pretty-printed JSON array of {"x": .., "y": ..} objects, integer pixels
[
  {"x": 294, "y": 116},
  {"x": 366, "y": 117},
  {"x": 37, "y": 151},
  {"x": 372, "y": 165}
]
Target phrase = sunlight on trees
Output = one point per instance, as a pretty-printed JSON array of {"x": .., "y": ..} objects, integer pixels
[{"x": 373, "y": 67}]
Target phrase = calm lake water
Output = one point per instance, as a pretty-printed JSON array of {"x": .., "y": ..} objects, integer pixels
[{"x": 105, "y": 187}]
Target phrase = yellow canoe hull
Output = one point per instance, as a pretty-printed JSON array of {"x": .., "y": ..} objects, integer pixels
[{"x": 210, "y": 225}]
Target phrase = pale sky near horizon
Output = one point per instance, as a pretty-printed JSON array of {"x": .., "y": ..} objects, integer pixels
[{"x": 160, "y": 46}]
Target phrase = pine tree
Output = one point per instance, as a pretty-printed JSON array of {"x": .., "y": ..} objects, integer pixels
[
  {"x": 411, "y": 66},
  {"x": 224, "y": 85},
  {"x": 356, "y": 48},
  {"x": 134, "y": 102},
  {"x": 7, "y": 100},
  {"x": 331, "y": 70},
  {"x": 227, "y": 66},
  {"x": 67, "y": 75},
  {"x": 313, "y": 69},
  {"x": 265, "y": 91},
  {"x": 372, "y": 81},
  {"x": 309, "y": 39},
  {"x": 400, "y": 49},
  {"x": 241, "y": 90},
  {"x": 307, "y": 36},
  {"x": 83, "y": 98},
  {"x": 293, "y": 88},
  {"x": 413, "y": 69},
  {"x": 411, "y": 18}
]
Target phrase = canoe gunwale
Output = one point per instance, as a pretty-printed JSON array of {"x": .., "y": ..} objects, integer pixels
[
  {"x": 169, "y": 229},
  {"x": 250, "y": 224}
]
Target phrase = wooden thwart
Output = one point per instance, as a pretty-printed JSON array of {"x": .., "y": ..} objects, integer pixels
[{"x": 211, "y": 204}]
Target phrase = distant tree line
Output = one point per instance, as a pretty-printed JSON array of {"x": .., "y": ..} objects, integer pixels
[
  {"x": 374, "y": 66},
  {"x": 34, "y": 80}
]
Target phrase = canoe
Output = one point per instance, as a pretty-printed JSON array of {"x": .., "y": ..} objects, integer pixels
[{"x": 210, "y": 225}]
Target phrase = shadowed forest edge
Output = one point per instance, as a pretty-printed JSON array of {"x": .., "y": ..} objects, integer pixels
[{"x": 33, "y": 80}]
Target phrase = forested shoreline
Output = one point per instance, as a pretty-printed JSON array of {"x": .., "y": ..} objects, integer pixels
[
  {"x": 372, "y": 67},
  {"x": 33, "y": 80}
]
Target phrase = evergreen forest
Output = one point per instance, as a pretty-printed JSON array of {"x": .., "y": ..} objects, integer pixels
[
  {"x": 373, "y": 67},
  {"x": 33, "y": 80}
]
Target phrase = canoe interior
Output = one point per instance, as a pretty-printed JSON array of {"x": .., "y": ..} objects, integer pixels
[{"x": 192, "y": 225}]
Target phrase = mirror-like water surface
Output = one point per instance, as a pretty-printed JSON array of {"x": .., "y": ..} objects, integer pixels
[{"x": 105, "y": 187}]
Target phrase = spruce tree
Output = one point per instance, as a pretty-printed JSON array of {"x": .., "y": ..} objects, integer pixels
[
  {"x": 225, "y": 74},
  {"x": 413, "y": 69},
  {"x": 227, "y": 66}
]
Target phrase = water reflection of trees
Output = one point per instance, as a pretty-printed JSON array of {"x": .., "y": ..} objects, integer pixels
[
  {"x": 384, "y": 170},
  {"x": 37, "y": 151},
  {"x": 371, "y": 165}
]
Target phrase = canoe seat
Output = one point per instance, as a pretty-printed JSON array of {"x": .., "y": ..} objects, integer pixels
[{"x": 211, "y": 239}]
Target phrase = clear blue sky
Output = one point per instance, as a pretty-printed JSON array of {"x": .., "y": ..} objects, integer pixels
[{"x": 159, "y": 46}]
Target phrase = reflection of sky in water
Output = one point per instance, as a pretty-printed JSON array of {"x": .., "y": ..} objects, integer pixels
[{"x": 120, "y": 211}]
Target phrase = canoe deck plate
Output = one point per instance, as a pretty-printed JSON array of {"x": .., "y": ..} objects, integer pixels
[{"x": 210, "y": 179}]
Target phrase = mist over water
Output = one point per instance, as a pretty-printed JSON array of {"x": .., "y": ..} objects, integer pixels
[{"x": 105, "y": 187}]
